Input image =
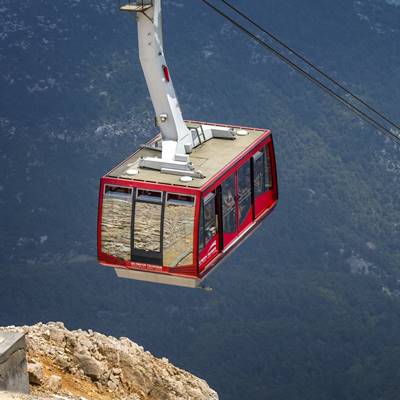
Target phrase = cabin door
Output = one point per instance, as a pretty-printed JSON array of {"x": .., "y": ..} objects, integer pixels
[
  {"x": 237, "y": 208},
  {"x": 262, "y": 181},
  {"x": 208, "y": 229},
  {"x": 229, "y": 212},
  {"x": 147, "y": 227},
  {"x": 244, "y": 196}
]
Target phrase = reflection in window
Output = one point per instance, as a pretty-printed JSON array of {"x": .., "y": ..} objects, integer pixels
[
  {"x": 228, "y": 205},
  {"x": 178, "y": 230},
  {"x": 147, "y": 226},
  {"x": 201, "y": 228},
  {"x": 259, "y": 173},
  {"x": 148, "y": 196},
  {"x": 268, "y": 170},
  {"x": 262, "y": 172},
  {"x": 210, "y": 221},
  {"x": 244, "y": 191},
  {"x": 116, "y": 222}
]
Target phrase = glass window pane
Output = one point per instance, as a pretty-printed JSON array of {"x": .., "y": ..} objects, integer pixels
[
  {"x": 268, "y": 170},
  {"x": 116, "y": 222},
  {"x": 180, "y": 199},
  {"x": 178, "y": 230},
  {"x": 229, "y": 205},
  {"x": 149, "y": 196},
  {"x": 147, "y": 226},
  {"x": 210, "y": 221},
  {"x": 259, "y": 173},
  {"x": 201, "y": 228},
  {"x": 244, "y": 191}
]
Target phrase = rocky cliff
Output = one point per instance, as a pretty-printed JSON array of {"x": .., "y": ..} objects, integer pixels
[{"x": 88, "y": 365}]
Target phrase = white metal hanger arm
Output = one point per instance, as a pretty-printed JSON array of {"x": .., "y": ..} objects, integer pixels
[{"x": 168, "y": 113}]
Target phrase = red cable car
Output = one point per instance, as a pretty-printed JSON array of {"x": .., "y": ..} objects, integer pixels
[
  {"x": 163, "y": 228},
  {"x": 177, "y": 206}
]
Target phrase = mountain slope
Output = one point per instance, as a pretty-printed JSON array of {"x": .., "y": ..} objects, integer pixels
[
  {"x": 309, "y": 304},
  {"x": 94, "y": 366}
]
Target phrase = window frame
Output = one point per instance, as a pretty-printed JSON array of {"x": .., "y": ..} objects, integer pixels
[
  {"x": 268, "y": 172},
  {"x": 140, "y": 253},
  {"x": 184, "y": 204},
  {"x": 212, "y": 196},
  {"x": 144, "y": 200},
  {"x": 129, "y": 200},
  {"x": 248, "y": 198}
]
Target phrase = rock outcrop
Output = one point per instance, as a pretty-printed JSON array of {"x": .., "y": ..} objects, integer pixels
[{"x": 89, "y": 365}]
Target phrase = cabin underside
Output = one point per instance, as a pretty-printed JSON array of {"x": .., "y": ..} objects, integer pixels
[{"x": 165, "y": 279}]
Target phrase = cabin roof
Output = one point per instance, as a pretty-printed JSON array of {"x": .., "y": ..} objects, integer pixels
[{"x": 210, "y": 158}]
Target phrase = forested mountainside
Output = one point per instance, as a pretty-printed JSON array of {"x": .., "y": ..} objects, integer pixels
[{"x": 309, "y": 306}]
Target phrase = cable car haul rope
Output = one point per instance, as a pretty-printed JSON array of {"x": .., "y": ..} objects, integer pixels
[{"x": 385, "y": 125}]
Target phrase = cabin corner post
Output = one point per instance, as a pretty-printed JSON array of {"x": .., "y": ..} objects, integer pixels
[{"x": 175, "y": 134}]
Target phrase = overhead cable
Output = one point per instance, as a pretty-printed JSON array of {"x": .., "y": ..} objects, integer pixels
[
  {"x": 390, "y": 134},
  {"x": 310, "y": 64}
]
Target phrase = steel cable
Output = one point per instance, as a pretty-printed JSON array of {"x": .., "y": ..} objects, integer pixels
[
  {"x": 321, "y": 85},
  {"x": 310, "y": 64}
]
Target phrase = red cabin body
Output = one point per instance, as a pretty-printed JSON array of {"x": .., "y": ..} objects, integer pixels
[{"x": 162, "y": 228}]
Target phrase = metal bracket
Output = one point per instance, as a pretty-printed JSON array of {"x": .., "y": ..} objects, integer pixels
[
  {"x": 138, "y": 6},
  {"x": 173, "y": 167}
]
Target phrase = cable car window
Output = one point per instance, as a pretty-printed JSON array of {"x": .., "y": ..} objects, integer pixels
[
  {"x": 210, "y": 221},
  {"x": 268, "y": 170},
  {"x": 201, "y": 227},
  {"x": 147, "y": 230},
  {"x": 116, "y": 222},
  {"x": 259, "y": 173},
  {"x": 148, "y": 196},
  {"x": 229, "y": 205},
  {"x": 179, "y": 199},
  {"x": 178, "y": 230},
  {"x": 244, "y": 191}
]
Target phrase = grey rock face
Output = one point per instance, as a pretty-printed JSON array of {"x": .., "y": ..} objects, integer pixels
[{"x": 90, "y": 366}]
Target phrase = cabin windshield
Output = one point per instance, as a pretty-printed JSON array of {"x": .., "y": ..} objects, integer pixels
[{"x": 150, "y": 227}]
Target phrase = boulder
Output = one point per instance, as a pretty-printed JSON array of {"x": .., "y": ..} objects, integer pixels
[
  {"x": 90, "y": 366},
  {"x": 35, "y": 371},
  {"x": 53, "y": 384}
]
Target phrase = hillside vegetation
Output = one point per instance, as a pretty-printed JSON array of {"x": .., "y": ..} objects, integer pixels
[{"x": 309, "y": 306}]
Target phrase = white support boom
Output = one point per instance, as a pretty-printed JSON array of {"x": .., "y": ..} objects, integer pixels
[
  {"x": 151, "y": 53},
  {"x": 177, "y": 140}
]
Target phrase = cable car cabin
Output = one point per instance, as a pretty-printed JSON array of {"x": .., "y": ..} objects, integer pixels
[
  {"x": 175, "y": 208},
  {"x": 171, "y": 229}
]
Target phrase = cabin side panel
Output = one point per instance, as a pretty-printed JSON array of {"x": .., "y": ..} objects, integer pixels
[{"x": 243, "y": 197}]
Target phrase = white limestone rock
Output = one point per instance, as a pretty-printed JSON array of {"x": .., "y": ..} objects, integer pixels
[{"x": 79, "y": 364}]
